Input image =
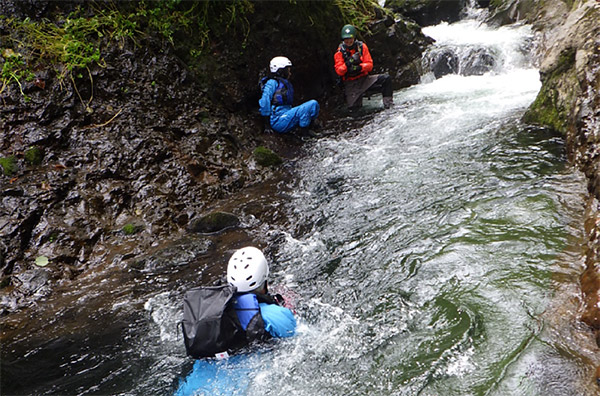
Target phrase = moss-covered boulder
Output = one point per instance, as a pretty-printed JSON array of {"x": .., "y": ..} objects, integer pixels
[
  {"x": 266, "y": 157},
  {"x": 214, "y": 222},
  {"x": 9, "y": 165},
  {"x": 34, "y": 155},
  {"x": 553, "y": 104}
]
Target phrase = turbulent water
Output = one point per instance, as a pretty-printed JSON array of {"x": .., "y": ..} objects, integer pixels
[{"x": 433, "y": 251}]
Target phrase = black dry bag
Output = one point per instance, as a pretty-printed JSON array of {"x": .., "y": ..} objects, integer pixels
[{"x": 210, "y": 324}]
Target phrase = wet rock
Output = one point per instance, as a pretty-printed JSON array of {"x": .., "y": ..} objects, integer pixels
[
  {"x": 214, "y": 222},
  {"x": 442, "y": 62},
  {"x": 428, "y": 12},
  {"x": 387, "y": 35},
  {"x": 180, "y": 253},
  {"x": 31, "y": 281},
  {"x": 478, "y": 62}
]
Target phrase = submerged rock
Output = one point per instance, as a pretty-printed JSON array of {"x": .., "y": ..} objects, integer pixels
[
  {"x": 214, "y": 222},
  {"x": 442, "y": 61}
]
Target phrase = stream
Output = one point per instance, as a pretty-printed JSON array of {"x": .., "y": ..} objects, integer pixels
[{"x": 435, "y": 250}]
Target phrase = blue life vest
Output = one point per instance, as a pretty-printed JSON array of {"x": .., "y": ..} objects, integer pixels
[
  {"x": 284, "y": 93},
  {"x": 246, "y": 307}
]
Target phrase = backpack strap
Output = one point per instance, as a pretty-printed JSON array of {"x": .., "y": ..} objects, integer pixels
[{"x": 246, "y": 307}]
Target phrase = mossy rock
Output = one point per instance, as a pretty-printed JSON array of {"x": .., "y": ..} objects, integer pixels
[
  {"x": 214, "y": 222},
  {"x": 130, "y": 229},
  {"x": 555, "y": 101},
  {"x": 34, "y": 155},
  {"x": 266, "y": 157},
  {"x": 9, "y": 165}
]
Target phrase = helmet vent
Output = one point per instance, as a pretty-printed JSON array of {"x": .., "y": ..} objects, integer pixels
[{"x": 248, "y": 278}]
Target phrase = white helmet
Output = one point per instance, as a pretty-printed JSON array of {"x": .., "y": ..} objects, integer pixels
[
  {"x": 247, "y": 269},
  {"x": 279, "y": 62}
]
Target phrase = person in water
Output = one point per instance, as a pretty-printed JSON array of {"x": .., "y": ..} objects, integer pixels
[
  {"x": 260, "y": 314},
  {"x": 353, "y": 63},
  {"x": 277, "y": 100}
]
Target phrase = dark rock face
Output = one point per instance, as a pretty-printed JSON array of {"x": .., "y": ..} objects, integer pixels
[
  {"x": 428, "y": 12},
  {"x": 396, "y": 48},
  {"x": 153, "y": 140},
  {"x": 142, "y": 152}
]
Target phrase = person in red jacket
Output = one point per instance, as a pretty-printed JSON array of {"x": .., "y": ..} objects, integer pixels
[{"x": 353, "y": 63}]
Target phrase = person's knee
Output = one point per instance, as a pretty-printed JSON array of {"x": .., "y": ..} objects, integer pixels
[{"x": 313, "y": 107}]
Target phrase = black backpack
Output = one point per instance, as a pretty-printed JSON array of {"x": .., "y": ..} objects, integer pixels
[{"x": 210, "y": 324}]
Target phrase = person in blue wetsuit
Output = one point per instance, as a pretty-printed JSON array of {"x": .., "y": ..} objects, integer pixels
[
  {"x": 260, "y": 314},
  {"x": 242, "y": 312},
  {"x": 277, "y": 100}
]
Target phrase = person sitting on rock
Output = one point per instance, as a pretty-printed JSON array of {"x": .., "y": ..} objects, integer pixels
[
  {"x": 353, "y": 63},
  {"x": 277, "y": 100}
]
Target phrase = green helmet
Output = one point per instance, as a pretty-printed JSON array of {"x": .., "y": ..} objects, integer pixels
[{"x": 348, "y": 31}]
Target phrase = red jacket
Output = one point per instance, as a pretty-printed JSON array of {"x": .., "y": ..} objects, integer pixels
[{"x": 366, "y": 62}]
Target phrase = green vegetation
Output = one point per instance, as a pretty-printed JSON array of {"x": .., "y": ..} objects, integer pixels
[
  {"x": 357, "y": 13},
  {"x": 75, "y": 42},
  {"x": 129, "y": 229},
  {"x": 266, "y": 157},
  {"x": 42, "y": 261},
  {"x": 14, "y": 70},
  {"x": 34, "y": 155},
  {"x": 9, "y": 165}
]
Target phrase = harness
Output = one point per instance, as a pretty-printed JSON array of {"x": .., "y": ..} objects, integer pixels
[
  {"x": 346, "y": 50},
  {"x": 348, "y": 59},
  {"x": 284, "y": 93}
]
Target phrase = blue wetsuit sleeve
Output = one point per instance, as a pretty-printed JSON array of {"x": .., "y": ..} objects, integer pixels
[
  {"x": 265, "y": 100},
  {"x": 279, "y": 321}
]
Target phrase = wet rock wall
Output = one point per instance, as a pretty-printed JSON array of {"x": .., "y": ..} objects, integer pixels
[
  {"x": 569, "y": 101},
  {"x": 136, "y": 150}
]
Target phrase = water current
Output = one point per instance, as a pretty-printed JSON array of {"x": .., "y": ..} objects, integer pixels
[{"x": 433, "y": 250}]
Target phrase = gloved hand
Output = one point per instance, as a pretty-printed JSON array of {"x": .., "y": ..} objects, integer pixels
[
  {"x": 267, "y": 125},
  {"x": 356, "y": 59},
  {"x": 354, "y": 70}
]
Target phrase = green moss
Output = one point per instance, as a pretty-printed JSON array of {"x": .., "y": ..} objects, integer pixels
[
  {"x": 34, "y": 155},
  {"x": 9, "y": 165},
  {"x": 129, "y": 229},
  {"x": 266, "y": 157},
  {"x": 549, "y": 108},
  {"x": 546, "y": 110}
]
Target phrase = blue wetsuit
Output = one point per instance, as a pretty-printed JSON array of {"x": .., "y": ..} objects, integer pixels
[
  {"x": 278, "y": 321},
  {"x": 210, "y": 376},
  {"x": 284, "y": 117}
]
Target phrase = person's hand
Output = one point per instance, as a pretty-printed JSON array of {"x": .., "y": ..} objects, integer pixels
[
  {"x": 267, "y": 125},
  {"x": 356, "y": 59},
  {"x": 354, "y": 70}
]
